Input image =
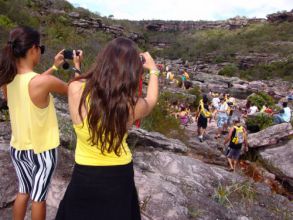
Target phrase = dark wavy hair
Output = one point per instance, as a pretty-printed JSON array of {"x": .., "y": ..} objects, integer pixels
[
  {"x": 110, "y": 93},
  {"x": 20, "y": 40}
]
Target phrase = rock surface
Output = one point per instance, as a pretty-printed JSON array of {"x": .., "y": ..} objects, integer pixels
[
  {"x": 170, "y": 186},
  {"x": 279, "y": 160},
  {"x": 281, "y": 16},
  {"x": 270, "y": 136},
  {"x": 156, "y": 140}
]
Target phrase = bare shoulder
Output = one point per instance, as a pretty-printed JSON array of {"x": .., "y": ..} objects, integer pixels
[
  {"x": 43, "y": 80},
  {"x": 75, "y": 87},
  {"x": 40, "y": 79}
]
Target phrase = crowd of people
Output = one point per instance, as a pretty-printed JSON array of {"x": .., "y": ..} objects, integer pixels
[
  {"x": 181, "y": 79},
  {"x": 231, "y": 119}
]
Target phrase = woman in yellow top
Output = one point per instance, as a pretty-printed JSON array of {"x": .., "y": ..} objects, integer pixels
[
  {"x": 103, "y": 105},
  {"x": 35, "y": 134}
]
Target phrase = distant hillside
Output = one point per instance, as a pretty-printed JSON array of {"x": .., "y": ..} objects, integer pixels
[{"x": 64, "y": 26}]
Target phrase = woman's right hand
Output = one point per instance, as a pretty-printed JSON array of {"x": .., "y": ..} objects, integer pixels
[
  {"x": 59, "y": 59},
  {"x": 149, "y": 61}
]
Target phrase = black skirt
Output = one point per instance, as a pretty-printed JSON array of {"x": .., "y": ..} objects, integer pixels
[{"x": 100, "y": 193}]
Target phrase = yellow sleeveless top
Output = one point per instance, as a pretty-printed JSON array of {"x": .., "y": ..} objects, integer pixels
[
  {"x": 33, "y": 128},
  {"x": 86, "y": 154}
]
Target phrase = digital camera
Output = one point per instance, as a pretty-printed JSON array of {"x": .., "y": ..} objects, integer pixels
[{"x": 68, "y": 54}]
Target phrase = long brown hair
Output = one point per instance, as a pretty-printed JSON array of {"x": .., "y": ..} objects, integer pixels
[
  {"x": 20, "y": 40},
  {"x": 111, "y": 92}
]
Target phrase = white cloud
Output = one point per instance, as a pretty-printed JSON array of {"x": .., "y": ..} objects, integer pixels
[{"x": 185, "y": 9}]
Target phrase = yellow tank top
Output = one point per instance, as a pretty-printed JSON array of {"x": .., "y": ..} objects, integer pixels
[
  {"x": 86, "y": 154},
  {"x": 33, "y": 128}
]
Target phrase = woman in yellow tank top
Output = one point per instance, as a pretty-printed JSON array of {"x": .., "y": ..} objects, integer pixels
[
  {"x": 35, "y": 134},
  {"x": 103, "y": 104}
]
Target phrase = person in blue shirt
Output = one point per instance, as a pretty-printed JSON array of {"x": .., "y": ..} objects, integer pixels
[{"x": 284, "y": 115}]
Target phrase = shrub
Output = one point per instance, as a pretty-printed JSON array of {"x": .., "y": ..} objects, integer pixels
[
  {"x": 280, "y": 69},
  {"x": 229, "y": 70},
  {"x": 6, "y": 22},
  {"x": 161, "y": 121},
  {"x": 262, "y": 120},
  {"x": 197, "y": 92},
  {"x": 260, "y": 99}
]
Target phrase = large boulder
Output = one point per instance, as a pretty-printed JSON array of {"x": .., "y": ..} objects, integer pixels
[
  {"x": 279, "y": 160},
  {"x": 270, "y": 136},
  {"x": 154, "y": 139}
]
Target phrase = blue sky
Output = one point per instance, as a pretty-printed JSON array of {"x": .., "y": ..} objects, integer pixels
[{"x": 184, "y": 9}]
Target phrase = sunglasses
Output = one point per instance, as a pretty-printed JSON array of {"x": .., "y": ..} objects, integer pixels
[{"x": 42, "y": 48}]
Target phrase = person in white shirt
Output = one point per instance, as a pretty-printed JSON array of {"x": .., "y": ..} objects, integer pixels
[
  {"x": 222, "y": 119},
  {"x": 215, "y": 102},
  {"x": 252, "y": 110}
]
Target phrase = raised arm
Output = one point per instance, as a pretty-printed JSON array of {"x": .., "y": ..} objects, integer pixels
[
  {"x": 145, "y": 105},
  {"x": 58, "y": 61}
]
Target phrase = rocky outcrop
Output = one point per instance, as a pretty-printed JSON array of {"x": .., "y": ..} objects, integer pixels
[
  {"x": 241, "y": 88},
  {"x": 85, "y": 21},
  {"x": 279, "y": 160},
  {"x": 232, "y": 23},
  {"x": 270, "y": 136},
  {"x": 281, "y": 16},
  {"x": 155, "y": 140}
]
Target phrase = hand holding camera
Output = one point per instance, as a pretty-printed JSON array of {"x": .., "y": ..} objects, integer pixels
[
  {"x": 59, "y": 59},
  {"x": 75, "y": 55},
  {"x": 148, "y": 62}
]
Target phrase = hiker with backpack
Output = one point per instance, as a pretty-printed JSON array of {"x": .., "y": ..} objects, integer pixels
[
  {"x": 236, "y": 138},
  {"x": 202, "y": 117}
]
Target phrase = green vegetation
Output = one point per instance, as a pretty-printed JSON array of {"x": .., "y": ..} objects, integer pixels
[
  {"x": 5, "y": 22},
  {"x": 220, "y": 45},
  {"x": 224, "y": 194},
  {"x": 261, "y": 98},
  {"x": 224, "y": 44},
  {"x": 282, "y": 69},
  {"x": 197, "y": 92},
  {"x": 229, "y": 70},
  {"x": 161, "y": 120},
  {"x": 262, "y": 120}
]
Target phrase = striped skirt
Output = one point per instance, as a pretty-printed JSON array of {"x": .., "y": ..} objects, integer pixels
[
  {"x": 34, "y": 171},
  {"x": 100, "y": 193}
]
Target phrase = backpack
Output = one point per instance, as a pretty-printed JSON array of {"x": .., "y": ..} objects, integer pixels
[
  {"x": 203, "y": 111},
  {"x": 239, "y": 135}
]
